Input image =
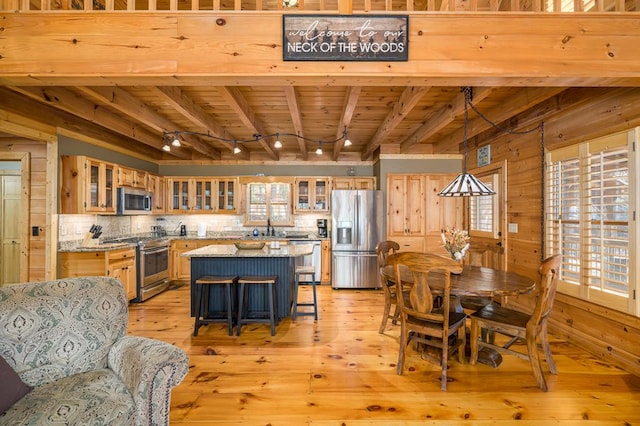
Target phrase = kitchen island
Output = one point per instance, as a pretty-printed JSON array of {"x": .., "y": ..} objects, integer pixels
[{"x": 226, "y": 259}]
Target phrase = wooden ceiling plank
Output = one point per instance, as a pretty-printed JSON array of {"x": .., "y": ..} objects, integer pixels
[
  {"x": 241, "y": 107},
  {"x": 296, "y": 118},
  {"x": 349, "y": 106},
  {"x": 521, "y": 101},
  {"x": 408, "y": 100},
  {"x": 65, "y": 100},
  {"x": 136, "y": 110},
  {"x": 186, "y": 106},
  {"x": 444, "y": 117}
]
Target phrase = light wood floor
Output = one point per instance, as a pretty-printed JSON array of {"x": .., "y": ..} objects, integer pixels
[{"x": 340, "y": 371}]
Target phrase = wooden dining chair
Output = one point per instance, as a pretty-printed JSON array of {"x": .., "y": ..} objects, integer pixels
[
  {"x": 519, "y": 326},
  {"x": 383, "y": 250},
  {"x": 420, "y": 321}
]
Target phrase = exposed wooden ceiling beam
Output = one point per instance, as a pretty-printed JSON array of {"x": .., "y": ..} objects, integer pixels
[
  {"x": 239, "y": 104},
  {"x": 186, "y": 106},
  {"x": 128, "y": 104},
  {"x": 65, "y": 100},
  {"x": 522, "y": 100},
  {"x": 408, "y": 100},
  {"x": 348, "y": 107},
  {"x": 296, "y": 118},
  {"x": 443, "y": 117}
]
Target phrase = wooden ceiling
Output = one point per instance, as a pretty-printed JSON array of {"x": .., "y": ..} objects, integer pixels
[{"x": 391, "y": 119}]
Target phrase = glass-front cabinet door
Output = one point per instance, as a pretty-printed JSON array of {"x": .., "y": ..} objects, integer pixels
[
  {"x": 204, "y": 195},
  {"x": 227, "y": 195},
  {"x": 311, "y": 195},
  {"x": 178, "y": 195},
  {"x": 101, "y": 193}
]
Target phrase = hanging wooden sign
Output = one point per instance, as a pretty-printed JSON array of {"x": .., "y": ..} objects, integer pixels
[{"x": 345, "y": 38}]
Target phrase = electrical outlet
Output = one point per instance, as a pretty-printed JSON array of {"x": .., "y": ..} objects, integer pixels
[
  {"x": 513, "y": 228},
  {"x": 63, "y": 230}
]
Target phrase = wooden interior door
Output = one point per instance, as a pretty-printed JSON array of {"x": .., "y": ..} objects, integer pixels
[
  {"x": 486, "y": 219},
  {"x": 10, "y": 212}
]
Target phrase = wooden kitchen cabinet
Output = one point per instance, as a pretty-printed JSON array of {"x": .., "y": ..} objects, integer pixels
[
  {"x": 179, "y": 266},
  {"x": 415, "y": 212},
  {"x": 118, "y": 263},
  {"x": 325, "y": 262},
  {"x": 201, "y": 195},
  {"x": 228, "y": 190},
  {"x": 406, "y": 205},
  {"x": 311, "y": 194},
  {"x": 156, "y": 185},
  {"x": 88, "y": 186},
  {"x": 132, "y": 178},
  {"x": 362, "y": 182}
]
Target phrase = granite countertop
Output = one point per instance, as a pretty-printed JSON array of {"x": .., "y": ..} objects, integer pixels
[
  {"x": 230, "y": 250},
  {"x": 97, "y": 247}
]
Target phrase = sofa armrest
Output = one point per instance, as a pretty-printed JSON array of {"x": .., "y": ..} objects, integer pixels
[{"x": 149, "y": 368}]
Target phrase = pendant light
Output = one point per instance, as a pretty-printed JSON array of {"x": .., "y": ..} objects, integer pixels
[{"x": 466, "y": 184}]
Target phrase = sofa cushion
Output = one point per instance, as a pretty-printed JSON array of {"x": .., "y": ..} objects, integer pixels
[
  {"x": 93, "y": 398},
  {"x": 12, "y": 388}
]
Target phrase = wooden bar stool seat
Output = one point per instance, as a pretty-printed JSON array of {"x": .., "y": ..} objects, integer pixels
[
  {"x": 202, "y": 300},
  {"x": 243, "y": 301},
  {"x": 304, "y": 270}
]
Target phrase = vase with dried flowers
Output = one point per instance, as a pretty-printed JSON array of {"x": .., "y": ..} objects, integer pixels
[{"x": 455, "y": 241}]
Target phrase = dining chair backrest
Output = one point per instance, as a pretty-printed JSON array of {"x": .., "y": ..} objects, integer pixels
[
  {"x": 546, "y": 291},
  {"x": 420, "y": 295},
  {"x": 384, "y": 249}
]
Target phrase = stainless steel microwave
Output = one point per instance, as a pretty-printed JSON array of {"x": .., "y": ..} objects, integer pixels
[{"x": 133, "y": 201}]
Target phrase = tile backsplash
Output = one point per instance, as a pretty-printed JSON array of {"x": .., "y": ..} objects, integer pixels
[{"x": 73, "y": 227}]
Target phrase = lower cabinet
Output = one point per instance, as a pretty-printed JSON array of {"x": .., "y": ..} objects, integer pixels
[
  {"x": 179, "y": 266},
  {"x": 118, "y": 263}
]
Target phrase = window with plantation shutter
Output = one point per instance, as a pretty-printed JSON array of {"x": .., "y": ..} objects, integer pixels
[{"x": 589, "y": 219}]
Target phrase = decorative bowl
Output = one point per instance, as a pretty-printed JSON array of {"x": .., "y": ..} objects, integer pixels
[{"x": 249, "y": 245}]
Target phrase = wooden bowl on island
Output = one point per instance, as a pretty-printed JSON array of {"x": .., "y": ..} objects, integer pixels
[{"x": 249, "y": 245}]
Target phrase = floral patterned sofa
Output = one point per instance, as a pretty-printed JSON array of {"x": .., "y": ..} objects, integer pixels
[{"x": 67, "y": 339}]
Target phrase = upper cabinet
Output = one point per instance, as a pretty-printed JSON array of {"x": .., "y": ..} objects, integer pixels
[
  {"x": 268, "y": 201},
  {"x": 156, "y": 185},
  {"x": 362, "y": 182},
  {"x": 415, "y": 212},
  {"x": 201, "y": 195},
  {"x": 132, "y": 178},
  {"x": 88, "y": 186},
  {"x": 311, "y": 195}
]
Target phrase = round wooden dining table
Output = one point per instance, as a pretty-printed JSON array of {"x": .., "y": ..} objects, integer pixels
[{"x": 474, "y": 281}]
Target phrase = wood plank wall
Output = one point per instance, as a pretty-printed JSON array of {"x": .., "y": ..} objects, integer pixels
[
  {"x": 38, "y": 217},
  {"x": 573, "y": 117}
]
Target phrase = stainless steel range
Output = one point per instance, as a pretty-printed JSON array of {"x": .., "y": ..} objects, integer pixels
[{"x": 152, "y": 261}]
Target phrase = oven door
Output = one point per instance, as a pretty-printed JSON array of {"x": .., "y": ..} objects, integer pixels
[{"x": 153, "y": 271}]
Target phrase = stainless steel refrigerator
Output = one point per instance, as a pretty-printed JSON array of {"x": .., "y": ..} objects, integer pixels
[{"x": 356, "y": 217}]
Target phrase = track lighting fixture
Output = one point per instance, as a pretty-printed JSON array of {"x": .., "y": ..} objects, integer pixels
[
  {"x": 166, "y": 147},
  {"x": 347, "y": 141},
  {"x": 172, "y": 138}
]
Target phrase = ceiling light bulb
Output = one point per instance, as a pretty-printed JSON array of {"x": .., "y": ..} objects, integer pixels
[
  {"x": 347, "y": 142},
  {"x": 236, "y": 148},
  {"x": 176, "y": 142},
  {"x": 277, "y": 144},
  {"x": 166, "y": 148},
  {"x": 319, "y": 150}
]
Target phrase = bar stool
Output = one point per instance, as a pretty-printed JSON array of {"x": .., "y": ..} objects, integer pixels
[
  {"x": 202, "y": 300},
  {"x": 304, "y": 270},
  {"x": 243, "y": 295}
]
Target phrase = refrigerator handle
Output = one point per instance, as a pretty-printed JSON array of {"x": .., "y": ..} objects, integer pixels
[{"x": 357, "y": 227}]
